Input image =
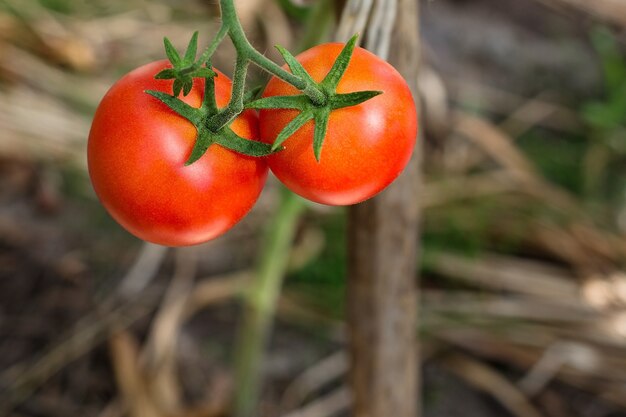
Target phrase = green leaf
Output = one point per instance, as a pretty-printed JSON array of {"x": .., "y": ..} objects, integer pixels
[
  {"x": 181, "y": 108},
  {"x": 339, "y": 67},
  {"x": 166, "y": 74},
  {"x": 171, "y": 52},
  {"x": 203, "y": 141},
  {"x": 321, "y": 126},
  {"x": 230, "y": 140},
  {"x": 192, "y": 49},
  {"x": 299, "y": 102},
  {"x": 352, "y": 99},
  {"x": 291, "y": 128},
  {"x": 295, "y": 67}
]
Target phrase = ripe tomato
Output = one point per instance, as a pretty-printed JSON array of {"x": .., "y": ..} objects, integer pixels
[
  {"x": 366, "y": 147},
  {"x": 136, "y": 154}
]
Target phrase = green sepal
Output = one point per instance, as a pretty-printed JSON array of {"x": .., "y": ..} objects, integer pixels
[
  {"x": 230, "y": 140},
  {"x": 291, "y": 128},
  {"x": 187, "y": 85},
  {"x": 192, "y": 49},
  {"x": 181, "y": 108},
  {"x": 299, "y": 102},
  {"x": 340, "y": 101},
  {"x": 166, "y": 74},
  {"x": 293, "y": 64},
  {"x": 171, "y": 52},
  {"x": 203, "y": 141},
  {"x": 178, "y": 85},
  {"x": 333, "y": 77},
  {"x": 321, "y": 126},
  {"x": 203, "y": 72}
]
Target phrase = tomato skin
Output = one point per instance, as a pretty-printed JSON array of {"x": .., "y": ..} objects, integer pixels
[
  {"x": 136, "y": 154},
  {"x": 366, "y": 147}
]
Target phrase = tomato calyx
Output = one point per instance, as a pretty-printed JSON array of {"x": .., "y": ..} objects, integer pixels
[
  {"x": 184, "y": 69},
  {"x": 309, "y": 110},
  {"x": 183, "y": 72},
  {"x": 201, "y": 117}
]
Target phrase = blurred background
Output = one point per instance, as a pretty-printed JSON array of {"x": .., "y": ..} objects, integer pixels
[{"x": 523, "y": 282}]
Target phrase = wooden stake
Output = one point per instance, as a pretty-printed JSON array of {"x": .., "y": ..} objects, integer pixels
[{"x": 382, "y": 291}]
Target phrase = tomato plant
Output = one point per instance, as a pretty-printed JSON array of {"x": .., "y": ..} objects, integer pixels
[
  {"x": 137, "y": 152},
  {"x": 366, "y": 146}
]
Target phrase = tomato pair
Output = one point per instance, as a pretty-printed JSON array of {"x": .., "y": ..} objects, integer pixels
[{"x": 138, "y": 147}]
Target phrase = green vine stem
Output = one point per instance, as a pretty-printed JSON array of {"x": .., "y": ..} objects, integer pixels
[
  {"x": 246, "y": 53},
  {"x": 260, "y": 303}
]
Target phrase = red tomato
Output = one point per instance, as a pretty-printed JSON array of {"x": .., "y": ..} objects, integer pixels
[
  {"x": 366, "y": 147},
  {"x": 137, "y": 151}
]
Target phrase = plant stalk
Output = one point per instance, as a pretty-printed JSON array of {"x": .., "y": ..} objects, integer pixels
[
  {"x": 260, "y": 303},
  {"x": 246, "y": 53},
  {"x": 235, "y": 105}
]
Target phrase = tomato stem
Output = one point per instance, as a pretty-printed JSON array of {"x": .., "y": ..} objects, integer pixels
[
  {"x": 246, "y": 53},
  {"x": 219, "y": 37},
  {"x": 235, "y": 105}
]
